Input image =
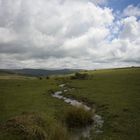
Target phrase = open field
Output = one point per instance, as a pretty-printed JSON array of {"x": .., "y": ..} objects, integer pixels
[
  {"x": 115, "y": 94},
  {"x": 18, "y": 96}
]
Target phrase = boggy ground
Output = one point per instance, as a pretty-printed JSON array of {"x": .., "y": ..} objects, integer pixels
[{"x": 115, "y": 93}]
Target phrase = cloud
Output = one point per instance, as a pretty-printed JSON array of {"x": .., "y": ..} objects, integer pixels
[
  {"x": 99, "y": 1},
  {"x": 132, "y": 11},
  {"x": 66, "y": 34},
  {"x": 131, "y": 28},
  {"x": 7, "y": 35}
]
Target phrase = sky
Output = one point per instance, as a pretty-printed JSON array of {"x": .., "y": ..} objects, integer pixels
[{"x": 78, "y": 34}]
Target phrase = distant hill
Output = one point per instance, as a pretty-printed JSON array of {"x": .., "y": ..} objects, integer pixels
[
  {"x": 5, "y": 72},
  {"x": 38, "y": 72}
]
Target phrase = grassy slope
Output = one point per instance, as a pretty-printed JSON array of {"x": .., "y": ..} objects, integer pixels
[
  {"x": 117, "y": 96},
  {"x": 8, "y": 75},
  {"x": 28, "y": 95},
  {"x": 115, "y": 92}
]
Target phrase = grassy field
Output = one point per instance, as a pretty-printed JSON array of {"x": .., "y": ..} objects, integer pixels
[
  {"x": 23, "y": 95},
  {"x": 115, "y": 93}
]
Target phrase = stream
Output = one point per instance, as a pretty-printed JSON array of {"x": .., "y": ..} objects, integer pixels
[{"x": 83, "y": 132}]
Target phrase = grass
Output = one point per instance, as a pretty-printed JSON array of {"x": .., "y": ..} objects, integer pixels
[
  {"x": 31, "y": 126},
  {"x": 114, "y": 92},
  {"x": 59, "y": 132},
  {"x": 29, "y": 95},
  {"x": 78, "y": 117},
  {"x": 27, "y": 126}
]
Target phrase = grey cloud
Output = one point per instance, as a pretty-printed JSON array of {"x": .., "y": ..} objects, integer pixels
[{"x": 65, "y": 33}]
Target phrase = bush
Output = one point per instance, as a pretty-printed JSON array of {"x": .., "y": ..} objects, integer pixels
[
  {"x": 47, "y": 77},
  {"x": 80, "y": 76},
  {"x": 40, "y": 78},
  {"x": 78, "y": 117}
]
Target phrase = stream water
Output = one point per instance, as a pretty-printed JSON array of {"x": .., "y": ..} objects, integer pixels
[{"x": 83, "y": 132}]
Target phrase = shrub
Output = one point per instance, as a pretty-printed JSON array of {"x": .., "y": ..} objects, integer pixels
[
  {"x": 80, "y": 76},
  {"x": 47, "y": 77},
  {"x": 40, "y": 78},
  {"x": 78, "y": 117}
]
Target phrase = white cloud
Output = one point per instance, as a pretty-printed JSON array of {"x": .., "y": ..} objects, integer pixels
[
  {"x": 65, "y": 33},
  {"x": 130, "y": 29},
  {"x": 132, "y": 11}
]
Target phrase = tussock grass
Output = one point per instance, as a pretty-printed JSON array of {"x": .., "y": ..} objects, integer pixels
[
  {"x": 30, "y": 126},
  {"x": 78, "y": 117},
  {"x": 58, "y": 132}
]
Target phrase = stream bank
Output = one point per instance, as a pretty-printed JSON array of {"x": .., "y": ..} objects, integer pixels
[{"x": 97, "y": 119}]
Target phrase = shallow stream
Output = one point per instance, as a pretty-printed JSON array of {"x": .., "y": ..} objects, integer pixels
[{"x": 83, "y": 132}]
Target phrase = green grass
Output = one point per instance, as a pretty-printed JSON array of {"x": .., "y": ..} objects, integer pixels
[
  {"x": 8, "y": 75},
  {"x": 29, "y": 95},
  {"x": 27, "y": 126},
  {"x": 114, "y": 92},
  {"x": 31, "y": 126},
  {"x": 78, "y": 117}
]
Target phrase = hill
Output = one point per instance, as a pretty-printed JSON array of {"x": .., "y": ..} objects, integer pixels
[{"x": 38, "y": 72}]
